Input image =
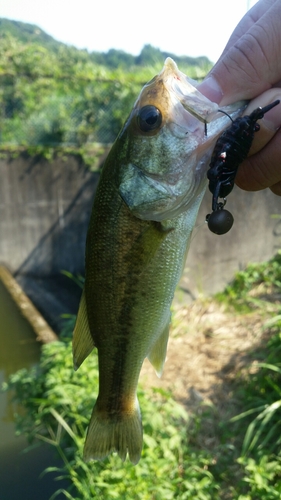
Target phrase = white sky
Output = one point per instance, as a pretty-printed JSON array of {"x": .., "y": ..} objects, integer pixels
[{"x": 189, "y": 27}]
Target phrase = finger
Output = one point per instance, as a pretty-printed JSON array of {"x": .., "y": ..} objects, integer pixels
[
  {"x": 250, "y": 18},
  {"x": 262, "y": 169},
  {"x": 246, "y": 69},
  {"x": 263, "y": 166},
  {"x": 276, "y": 188},
  {"x": 271, "y": 121}
]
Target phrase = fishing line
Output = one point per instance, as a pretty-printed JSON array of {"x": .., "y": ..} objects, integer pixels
[{"x": 196, "y": 230}]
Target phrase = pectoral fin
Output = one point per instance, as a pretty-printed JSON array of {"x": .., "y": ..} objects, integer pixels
[
  {"x": 157, "y": 354},
  {"x": 82, "y": 342}
]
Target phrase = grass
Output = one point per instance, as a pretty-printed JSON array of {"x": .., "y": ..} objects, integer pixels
[
  {"x": 58, "y": 406},
  {"x": 199, "y": 454}
]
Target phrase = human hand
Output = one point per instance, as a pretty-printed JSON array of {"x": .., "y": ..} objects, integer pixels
[{"x": 250, "y": 68}]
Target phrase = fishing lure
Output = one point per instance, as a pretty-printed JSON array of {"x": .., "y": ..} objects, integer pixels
[{"x": 231, "y": 148}]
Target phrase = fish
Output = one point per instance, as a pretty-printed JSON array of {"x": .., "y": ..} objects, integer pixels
[{"x": 144, "y": 211}]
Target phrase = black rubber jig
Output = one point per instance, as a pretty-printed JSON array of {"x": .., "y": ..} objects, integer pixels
[{"x": 231, "y": 148}]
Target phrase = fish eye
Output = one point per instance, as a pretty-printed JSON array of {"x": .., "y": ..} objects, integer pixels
[{"x": 149, "y": 118}]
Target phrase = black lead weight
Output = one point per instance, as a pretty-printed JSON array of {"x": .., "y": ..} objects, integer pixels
[{"x": 220, "y": 221}]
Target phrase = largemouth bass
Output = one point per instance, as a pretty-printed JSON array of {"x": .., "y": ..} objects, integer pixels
[{"x": 144, "y": 211}]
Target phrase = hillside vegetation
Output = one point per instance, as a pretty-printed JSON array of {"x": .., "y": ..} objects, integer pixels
[{"x": 54, "y": 94}]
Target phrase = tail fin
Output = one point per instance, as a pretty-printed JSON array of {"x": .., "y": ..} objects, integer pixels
[{"x": 107, "y": 434}]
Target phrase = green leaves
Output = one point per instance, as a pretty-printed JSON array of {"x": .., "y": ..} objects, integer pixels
[
  {"x": 58, "y": 404},
  {"x": 264, "y": 430},
  {"x": 250, "y": 287},
  {"x": 52, "y": 94},
  {"x": 261, "y": 478}
]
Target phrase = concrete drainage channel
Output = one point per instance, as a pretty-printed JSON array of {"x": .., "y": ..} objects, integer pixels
[
  {"x": 22, "y": 332},
  {"x": 42, "y": 330}
]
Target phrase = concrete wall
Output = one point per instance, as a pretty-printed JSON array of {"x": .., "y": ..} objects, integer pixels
[
  {"x": 45, "y": 209},
  {"x": 255, "y": 236},
  {"x": 44, "y": 213}
]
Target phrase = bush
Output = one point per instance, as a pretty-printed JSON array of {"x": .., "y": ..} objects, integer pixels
[{"x": 58, "y": 404}]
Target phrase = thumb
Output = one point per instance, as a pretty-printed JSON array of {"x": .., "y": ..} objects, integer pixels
[
  {"x": 262, "y": 167},
  {"x": 250, "y": 63}
]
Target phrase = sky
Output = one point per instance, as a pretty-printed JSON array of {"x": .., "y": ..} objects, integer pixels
[{"x": 190, "y": 27}]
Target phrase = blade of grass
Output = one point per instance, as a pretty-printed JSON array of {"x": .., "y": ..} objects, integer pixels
[{"x": 63, "y": 423}]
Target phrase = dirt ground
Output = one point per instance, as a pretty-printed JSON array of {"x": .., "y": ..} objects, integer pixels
[{"x": 208, "y": 347}]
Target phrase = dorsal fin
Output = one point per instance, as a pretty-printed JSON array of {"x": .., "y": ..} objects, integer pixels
[{"x": 82, "y": 342}]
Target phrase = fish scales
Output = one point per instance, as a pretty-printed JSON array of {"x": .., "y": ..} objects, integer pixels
[{"x": 145, "y": 208}]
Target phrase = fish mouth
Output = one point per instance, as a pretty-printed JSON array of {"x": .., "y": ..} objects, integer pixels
[{"x": 186, "y": 94}]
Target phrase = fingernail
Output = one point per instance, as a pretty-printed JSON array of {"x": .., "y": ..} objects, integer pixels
[
  {"x": 211, "y": 89},
  {"x": 272, "y": 119}
]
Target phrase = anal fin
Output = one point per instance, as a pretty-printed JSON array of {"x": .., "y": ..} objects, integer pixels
[
  {"x": 157, "y": 354},
  {"x": 82, "y": 342}
]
